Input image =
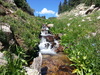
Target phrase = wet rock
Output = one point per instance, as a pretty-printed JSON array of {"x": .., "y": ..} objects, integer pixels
[
  {"x": 49, "y": 38},
  {"x": 30, "y": 71},
  {"x": 57, "y": 36},
  {"x": 56, "y": 65},
  {"x": 59, "y": 49},
  {"x": 35, "y": 67},
  {"x": 37, "y": 62}
]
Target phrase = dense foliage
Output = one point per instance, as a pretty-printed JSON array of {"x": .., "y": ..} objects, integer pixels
[{"x": 24, "y": 6}]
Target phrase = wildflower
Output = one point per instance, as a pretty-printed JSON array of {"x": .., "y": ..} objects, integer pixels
[
  {"x": 68, "y": 24},
  {"x": 98, "y": 17},
  {"x": 70, "y": 18},
  {"x": 84, "y": 57},
  {"x": 93, "y": 44},
  {"x": 94, "y": 34},
  {"x": 89, "y": 18},
  {"x": 79, "y": 25},
  {"x": 83, "y": 20},
  {"x": 64, "y": 34}
]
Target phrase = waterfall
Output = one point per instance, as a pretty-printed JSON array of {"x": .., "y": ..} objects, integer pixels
[{"x": 48, "y": 44}]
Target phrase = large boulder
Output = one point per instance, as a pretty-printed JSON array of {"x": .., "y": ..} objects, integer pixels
[
  {"x": 35, "y": 67},
  {"x": 4, "y": 27}
]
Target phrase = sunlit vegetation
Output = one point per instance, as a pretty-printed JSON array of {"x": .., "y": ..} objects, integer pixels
[
  {"x": 27, "y": 28},
  {"x": 81, "y": 39}
]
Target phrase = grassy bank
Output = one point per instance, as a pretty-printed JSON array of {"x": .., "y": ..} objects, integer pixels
[{"x": 81, "y": 39}]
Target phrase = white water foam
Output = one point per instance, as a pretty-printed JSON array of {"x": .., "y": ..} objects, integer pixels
[{"x": 45, "y": 46}]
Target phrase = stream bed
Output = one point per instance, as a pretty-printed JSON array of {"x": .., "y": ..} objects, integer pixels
[{"x": 54, "y": 61}]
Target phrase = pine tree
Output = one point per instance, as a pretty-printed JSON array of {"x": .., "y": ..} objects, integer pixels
[
  {"x": 60, "y": 8},
  {"x": 64, "y": 6}
]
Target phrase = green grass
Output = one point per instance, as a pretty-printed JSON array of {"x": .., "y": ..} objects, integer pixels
[
  {"x": 28, "y": 29},
  {"x": 14, "y": 65},
  {"x": 80, "y": 44}
]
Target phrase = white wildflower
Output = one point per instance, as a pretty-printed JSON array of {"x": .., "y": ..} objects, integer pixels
[
  {"x": 89, "y": 18},
  {"x": 98, "y": 17},
  {"x": 79, "y": 25},
  {"x": 93, "y": 44},
  {"x": 94, "y": 34},
  {"x": 70, "y": 18},
  {"x": 83, "y": 20},
  {"x": 31, "y": 71},
  {"x": 68, "y": 24}
]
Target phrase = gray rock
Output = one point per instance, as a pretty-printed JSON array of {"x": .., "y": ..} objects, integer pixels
[
  {"x": 2, "y": 59},
  {"x": 5, "y": 27},
  {"x": 35, "y": 68}
]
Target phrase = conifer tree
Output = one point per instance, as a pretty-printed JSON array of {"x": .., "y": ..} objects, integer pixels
[
  {"x": 64, "y": 6},
  {"x": 60, "y": 8}
]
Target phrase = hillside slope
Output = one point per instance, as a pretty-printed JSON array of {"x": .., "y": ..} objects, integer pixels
[
  {"x": 19, "y": 37},
  {"x": 80, "y": 35}
]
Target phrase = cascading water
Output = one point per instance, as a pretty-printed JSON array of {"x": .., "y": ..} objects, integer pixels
[{"x": 48, "y": 43}]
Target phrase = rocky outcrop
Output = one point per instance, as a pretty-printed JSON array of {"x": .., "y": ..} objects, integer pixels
[
  {"x": 11, "y": 37},
  {"x": 4, "y": 27},
  {"x": 35, "y": 67},
  {"x": 4, "y": 11},
  {"x": 81, "y": 10}
]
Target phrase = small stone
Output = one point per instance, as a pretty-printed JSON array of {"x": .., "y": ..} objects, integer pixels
[{"x": 50, "y": 25}]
